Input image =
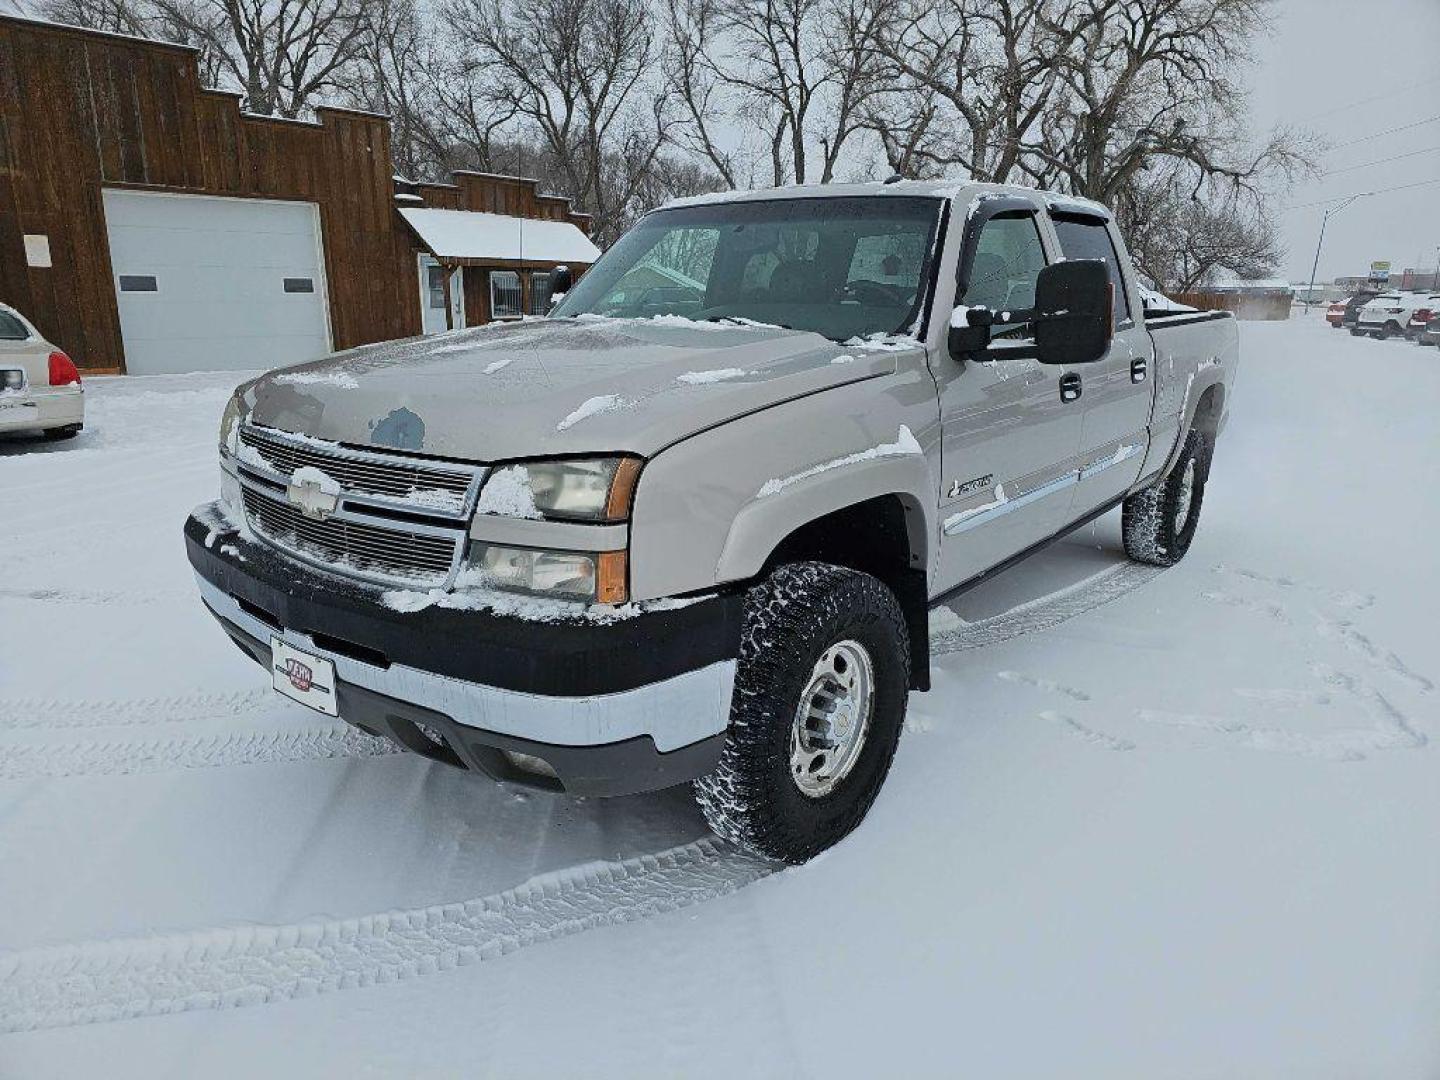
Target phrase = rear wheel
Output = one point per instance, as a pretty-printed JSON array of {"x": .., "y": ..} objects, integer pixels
[
  {"x": 1160, "y": 522},
  {"x": 69, "y": 431},
  {"x": 820, "y": 695}
]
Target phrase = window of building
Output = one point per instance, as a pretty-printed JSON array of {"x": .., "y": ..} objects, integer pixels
[
  {"x": 435, "y": 285},
  {"x": 539, "y": 292},
  {"x": 505, "y": 295}
]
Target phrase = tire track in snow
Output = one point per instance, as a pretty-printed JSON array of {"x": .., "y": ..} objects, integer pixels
[
  {"x": 1086, "y": 733},
  {"x": 227, "y": 967},
  {"x": 96, "y": 596},
  {"x": 25, "y": 761},
  {"x": 1046, "y": 611},
  {"x": 20, "y": 714}
]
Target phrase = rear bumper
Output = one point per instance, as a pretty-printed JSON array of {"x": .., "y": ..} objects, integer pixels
[
  {"x": 42, "y": 409},
  {"x": 612, "y": 708}
]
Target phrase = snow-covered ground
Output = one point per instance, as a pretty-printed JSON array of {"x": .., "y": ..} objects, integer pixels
[{"x": 1149, "y": 824}]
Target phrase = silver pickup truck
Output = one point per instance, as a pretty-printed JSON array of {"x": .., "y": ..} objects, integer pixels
[{"x": 688, "y": 527}]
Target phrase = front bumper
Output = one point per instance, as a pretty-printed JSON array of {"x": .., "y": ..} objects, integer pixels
[
  {"x": 612, "y": 708},
  {"x": 42, "y": 408}
]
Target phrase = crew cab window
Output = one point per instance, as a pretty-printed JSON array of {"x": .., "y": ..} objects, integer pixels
[
  {"x": 839, "y": 266},
  {"x": 1088, "y": 238},
  {"x": 1008, "y": 258}
]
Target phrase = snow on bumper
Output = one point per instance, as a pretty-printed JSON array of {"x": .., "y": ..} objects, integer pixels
[
  {"x": 42, "y": 409},
  {"x": 612, "y": 708}
]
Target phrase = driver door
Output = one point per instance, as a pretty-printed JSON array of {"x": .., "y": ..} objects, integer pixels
[{"x": 1011, "y": 433}]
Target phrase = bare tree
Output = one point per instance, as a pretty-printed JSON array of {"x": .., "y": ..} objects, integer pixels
[
  {"x": 1151, "y": 80},
  {"x": 971, "y": 80},
  {"x": 286, "y": 56},
  {"x": 579, "y": 75},
  {"x": 1181, "y": 241},
  {"x": 798, "y": 72}
]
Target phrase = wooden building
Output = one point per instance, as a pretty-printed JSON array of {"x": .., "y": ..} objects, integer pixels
[{"x": 148, "y": 225}]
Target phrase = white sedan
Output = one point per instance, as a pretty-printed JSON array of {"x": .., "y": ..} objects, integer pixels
[{"x": 40, "y": 388}]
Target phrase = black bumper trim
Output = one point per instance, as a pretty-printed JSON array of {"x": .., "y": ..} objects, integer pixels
[
  {"x": 627, "y": 767},
  {"x": 560, "y": 659}
]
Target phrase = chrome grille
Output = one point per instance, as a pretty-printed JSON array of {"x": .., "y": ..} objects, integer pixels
[
  {"x": 373, "y": 550},
  {"x": 432, "y": 486},
  {"x": 397, "y": 519}
]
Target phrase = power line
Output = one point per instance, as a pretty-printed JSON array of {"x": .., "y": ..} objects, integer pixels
[
  {"x": 1370, "y": 100},
  {"x": 1379, "y": 134},
  {"x": 1382, "y": 161},
  {"x": 1377, "y": 191}
]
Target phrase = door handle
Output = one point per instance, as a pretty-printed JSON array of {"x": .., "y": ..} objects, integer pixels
[
  {"x": 1070, "y": 388},
  {"x": 1138, "y": 368}
]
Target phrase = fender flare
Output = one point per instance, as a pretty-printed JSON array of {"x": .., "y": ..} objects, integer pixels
[{"x": 766, "y": 520}]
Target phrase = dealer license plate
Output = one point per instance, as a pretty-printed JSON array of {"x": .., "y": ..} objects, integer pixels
[{"x": 310, "y": 680}]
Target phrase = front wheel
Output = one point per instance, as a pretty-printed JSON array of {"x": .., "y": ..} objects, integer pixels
[
  {"x": 1159, "y": 523},
  {"x": 820, "y": 695}
]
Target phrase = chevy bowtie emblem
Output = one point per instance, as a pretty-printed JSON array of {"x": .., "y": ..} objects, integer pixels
[{"x": 312, "y": 500}]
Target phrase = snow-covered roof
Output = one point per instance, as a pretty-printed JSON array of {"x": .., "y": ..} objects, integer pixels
[{"x": 471, "y": 234}]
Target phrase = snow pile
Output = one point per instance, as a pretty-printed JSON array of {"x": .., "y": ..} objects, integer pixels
[
  {"x": 905, "y": 444},
  {"x": 309, "y": 474},
  {"x": 883, "y": 343},
  {"x": 318, "y": 378},
  {"x": 507, "y": 493},
  {"x": 701, "y": 378},
  {"x": 1152, "y": 300},
  {"x": 472, "y": 595},
  {"x": 955, "y": 520},
  {"x": 436, "y": 499},
  {"x": 592, "y": 407},
  {"x": 497, "y": 365}
]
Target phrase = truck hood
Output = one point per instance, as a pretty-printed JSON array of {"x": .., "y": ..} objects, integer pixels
[{"x": 556, "y": 386}]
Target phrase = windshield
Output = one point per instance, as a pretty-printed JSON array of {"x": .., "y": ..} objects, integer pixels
[{"x": 842, "y": 267}]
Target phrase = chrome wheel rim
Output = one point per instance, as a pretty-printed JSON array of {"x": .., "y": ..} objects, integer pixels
[
  {"x": 1185, "y": 496},
  {"x": 832, "y": 719}
]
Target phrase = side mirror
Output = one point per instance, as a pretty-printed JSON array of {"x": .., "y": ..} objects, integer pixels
[
  {"x": 560, "y": 282},
  {"x": 970, "y": 330},
  {"x": 1074, "y": 312}
]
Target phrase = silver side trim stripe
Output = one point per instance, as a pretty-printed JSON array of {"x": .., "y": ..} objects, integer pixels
[
  {"x": 674, "y": 712},
  {"x": 966, "y": 520}
]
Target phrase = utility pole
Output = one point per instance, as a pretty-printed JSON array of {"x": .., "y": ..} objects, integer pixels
[{"x": 1310, "y": 295}]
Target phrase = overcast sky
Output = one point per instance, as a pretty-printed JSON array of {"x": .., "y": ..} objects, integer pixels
[{"x": 1324, "y": 58}]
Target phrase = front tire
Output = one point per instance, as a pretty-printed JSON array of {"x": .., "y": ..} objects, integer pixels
[
  {"x": 1159, "y": 523},
  {"x": 820, "y": 695}
]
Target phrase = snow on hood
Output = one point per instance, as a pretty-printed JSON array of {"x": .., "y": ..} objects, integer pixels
[{"x": 554, "y": 386}]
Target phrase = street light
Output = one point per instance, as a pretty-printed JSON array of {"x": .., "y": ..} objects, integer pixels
[{"x": 1310, "y": 294}]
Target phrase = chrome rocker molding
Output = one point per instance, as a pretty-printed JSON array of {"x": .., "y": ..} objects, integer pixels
[
  {"x": 674, "y": 712},
  {"x": 966, "y": 520}
]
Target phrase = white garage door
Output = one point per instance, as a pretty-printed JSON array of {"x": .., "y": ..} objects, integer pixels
[{"x": 209, "y": 283}]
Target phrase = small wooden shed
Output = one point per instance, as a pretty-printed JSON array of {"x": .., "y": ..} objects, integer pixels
[{"x": 147, "y": 225}]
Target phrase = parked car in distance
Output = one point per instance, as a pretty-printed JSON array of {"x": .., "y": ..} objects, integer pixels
[
  {"x": 1335, "y": 313},
  {"x": 1386, "y": 316},
  {"x": 696, "y": 540},
  {"x": 1352, "y": 309},
  {"x": 1431, "y": 334},
  {"x": 1422, "y": 316},
  {"x": 40, "y": 389}
]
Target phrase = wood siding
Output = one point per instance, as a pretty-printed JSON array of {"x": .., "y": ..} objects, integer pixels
[{"x": 81, "y": 110}]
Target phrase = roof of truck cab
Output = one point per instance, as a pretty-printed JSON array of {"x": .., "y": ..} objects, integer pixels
[{"x": 950, "y": 188}]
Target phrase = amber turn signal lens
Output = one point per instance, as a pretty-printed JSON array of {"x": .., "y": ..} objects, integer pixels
[
  {"x": 622, "y": 489},
  {"x": 611, "y": 586}
]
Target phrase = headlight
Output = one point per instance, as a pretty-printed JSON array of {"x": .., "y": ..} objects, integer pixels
[
  {"x": 589, "y": 577},
  {"x": 230, "y": 427},
  {"x": 580, "y": 489}
]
